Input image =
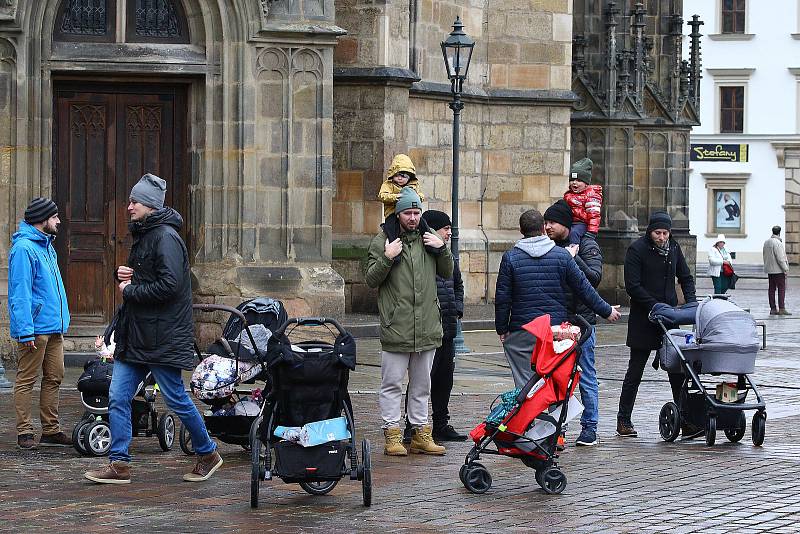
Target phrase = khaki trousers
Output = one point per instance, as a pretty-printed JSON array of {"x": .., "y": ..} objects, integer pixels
[
  {"x": 49, "y": 357},
  {"x": 394, "y": 366}
]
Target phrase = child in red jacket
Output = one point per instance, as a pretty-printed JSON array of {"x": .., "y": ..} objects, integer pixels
[{"x": 584, "y": 200}]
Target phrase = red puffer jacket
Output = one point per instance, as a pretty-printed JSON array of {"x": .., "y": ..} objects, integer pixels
[{"x": 586, "y": 206}]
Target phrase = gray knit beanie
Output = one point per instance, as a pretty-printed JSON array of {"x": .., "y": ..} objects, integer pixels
[
  {"x": 149, "y": 191},
  {"x": 581, "y": 170},
  {"x": 407, "y": 200}
]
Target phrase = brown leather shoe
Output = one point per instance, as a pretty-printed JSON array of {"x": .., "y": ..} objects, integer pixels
[
  {"x": 626, "y": 430},
  {"x": 58, "y": 439},
  {"x": 784, "y": 311},
  {"x": 204, "y": 468},
  {"x": 114, "y": 473},
  {"x": 26, "y": 442}
]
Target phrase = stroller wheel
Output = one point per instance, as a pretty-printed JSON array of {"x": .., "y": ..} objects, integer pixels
[
  {"x": 97, "y": 438},
  {"x": 669, "y": 421},
  {"x": 711, "y": 430},
  {"x": 185, "y": 441},
  {"x": 553, "y": 480},
  {"x": 477, "y": 478},
  {"x": 366, "y": 474},
  {"x": 319, "y": 488},
  {"x": 257, "y": 459},
  {"x": 78, "y": 433},
  {"x": 166, "y": 431},
  {"x": 736, "y": 434},
  {"x": 461, "y": 473},
  {"x": 758, "y": 429}
]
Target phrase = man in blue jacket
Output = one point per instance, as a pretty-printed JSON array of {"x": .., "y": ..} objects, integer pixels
[
  {"x": 533, "y": 280},
  {"x": 37, "y": 306}
]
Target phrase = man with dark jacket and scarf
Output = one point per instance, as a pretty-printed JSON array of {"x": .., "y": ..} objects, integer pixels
[
  {"x": 533, "y": 280},
  {"x": 652, "y": 264},
  {"x": 154, "y": 332},
  {"x": 587, "y": 255}
]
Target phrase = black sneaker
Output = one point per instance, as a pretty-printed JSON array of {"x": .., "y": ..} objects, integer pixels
[
  {"x": 626, "y": 430},
  {"x": 588, "y": 438},
  {"x": 447, "y": 433},
  {"x": 689, "y": 431}
]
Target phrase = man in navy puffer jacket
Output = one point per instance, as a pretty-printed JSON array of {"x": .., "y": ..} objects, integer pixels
[{"x": 533, "y": 280}]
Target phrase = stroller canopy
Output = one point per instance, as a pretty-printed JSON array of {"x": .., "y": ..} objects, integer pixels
[{"x": 725, "y": 327}]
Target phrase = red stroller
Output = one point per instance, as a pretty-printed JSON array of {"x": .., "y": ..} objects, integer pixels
[{"x": 527, "y": 424}]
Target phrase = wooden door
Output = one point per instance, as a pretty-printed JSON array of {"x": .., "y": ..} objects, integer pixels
[{"x": 106, "y": 138}]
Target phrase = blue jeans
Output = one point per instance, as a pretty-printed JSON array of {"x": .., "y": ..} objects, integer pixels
[
  {"x": 126, "y": 378},
  {"x": 588, "y": 384}
]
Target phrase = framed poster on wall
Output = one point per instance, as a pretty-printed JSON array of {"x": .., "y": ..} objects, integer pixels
[
  {"x": 726, "y": 204},
  {"x": 728, "y": 209}
]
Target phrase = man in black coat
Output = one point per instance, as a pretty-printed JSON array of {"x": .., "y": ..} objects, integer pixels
[
  {"x": 587, "y": 255},
  {"x": 652, "y": 264},
  {"x": 154, "y": 331}
]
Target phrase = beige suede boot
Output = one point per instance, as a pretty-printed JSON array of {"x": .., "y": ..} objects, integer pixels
[
  {"x": 394, "y": 442},
  {"x": 422, "y": 442}
]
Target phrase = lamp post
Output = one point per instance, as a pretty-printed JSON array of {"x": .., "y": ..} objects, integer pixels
[{"x": 457, "y": 53}]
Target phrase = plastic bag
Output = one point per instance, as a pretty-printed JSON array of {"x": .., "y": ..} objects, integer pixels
[{"x": 315, "y": 433}]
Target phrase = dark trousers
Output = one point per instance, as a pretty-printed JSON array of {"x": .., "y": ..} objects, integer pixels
[
  {"x": 777, "y": 281},
  {"x": 441, "y": 383},
  {"x": 633, "y": 377}
]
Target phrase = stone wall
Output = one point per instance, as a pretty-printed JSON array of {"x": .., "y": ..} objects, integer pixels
[
  {"x": 789, "y": 159},
  {"x": 514, "y": 131}
]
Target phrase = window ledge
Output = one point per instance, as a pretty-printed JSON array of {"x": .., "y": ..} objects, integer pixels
[
  {"x": 731, "y": 36},
  {"x": 796, "y": 36},
  {"x": 727, "y": 235}
]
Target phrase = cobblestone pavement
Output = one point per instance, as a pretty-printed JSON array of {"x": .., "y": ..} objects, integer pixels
[{"x": 623, "y": 485}]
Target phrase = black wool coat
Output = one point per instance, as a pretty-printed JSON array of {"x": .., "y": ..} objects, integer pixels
[
  {"x": 156, "y": 324},
  {"x": 650, "y": 278},
  {"x": 590, "y": 262},
  {"x": 450, "y": 292}
]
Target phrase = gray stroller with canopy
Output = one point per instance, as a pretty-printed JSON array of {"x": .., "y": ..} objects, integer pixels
[{"x": 724, "y": 341}]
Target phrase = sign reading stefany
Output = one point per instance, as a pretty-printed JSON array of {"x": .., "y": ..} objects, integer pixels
[{"x": 719, "y": 153}]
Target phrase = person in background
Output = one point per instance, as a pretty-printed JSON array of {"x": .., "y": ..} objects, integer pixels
[
  {"x": 777, "y": 267},
  {"x": 720, "y": 266}
]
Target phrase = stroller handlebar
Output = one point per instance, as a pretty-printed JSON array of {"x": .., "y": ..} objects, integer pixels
[
  {"x": 311, "y": 321},
  {"x": 231, "y": 310},
  {"x": 586, "y": 329}
]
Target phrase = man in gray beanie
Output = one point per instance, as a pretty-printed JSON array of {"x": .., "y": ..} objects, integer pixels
[
  {"x": 411, "y": 329},
  {"x": 155, "y": 332}
]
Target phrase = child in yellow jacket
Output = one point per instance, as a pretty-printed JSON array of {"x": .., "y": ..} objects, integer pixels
[{"x": 401, "y": 174}]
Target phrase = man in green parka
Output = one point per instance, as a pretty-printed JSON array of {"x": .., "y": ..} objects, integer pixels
[{"x": 411, "y": 327}]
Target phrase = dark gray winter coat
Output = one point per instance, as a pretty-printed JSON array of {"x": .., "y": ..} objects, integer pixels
[
  {"x": 590, "y": 262},
  {"x": 450, "y": 292},
  {"x": 155, "y": 326}
]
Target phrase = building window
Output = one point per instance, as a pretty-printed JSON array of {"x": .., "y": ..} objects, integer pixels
[
  {"x": 156, "y": 21},
  {"x": 733, "y": 13},
  {"x": 726, "y": 203},
  {"x": 86, "y": 20},
  {"x": 731, "y": 111}
]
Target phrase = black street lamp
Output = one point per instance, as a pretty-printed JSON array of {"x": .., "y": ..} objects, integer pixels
[{"x": 457, "y": 53}]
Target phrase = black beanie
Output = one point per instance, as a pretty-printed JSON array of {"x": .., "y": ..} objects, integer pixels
[
  {"x": 559, "y": 212},
  {"x": 659, "y": 220},
  {"x": 436, "y": 219},
  {"x": 40, "y": 209}
]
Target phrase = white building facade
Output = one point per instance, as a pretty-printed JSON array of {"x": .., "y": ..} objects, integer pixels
[{"x": 745, "y": 162}]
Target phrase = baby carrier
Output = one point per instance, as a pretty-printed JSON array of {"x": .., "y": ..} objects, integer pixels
[
  {"x": 724, "y": 342},
  {"x": 306, "y": 433},
  {"x": 527, "y": 422}
]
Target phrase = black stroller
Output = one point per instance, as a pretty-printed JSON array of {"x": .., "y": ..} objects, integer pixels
[
  {"x": 309, "y": 385},
  {"x": 92, "y": 433},
  {"x": 725, "y": 341},
  {"x": 236, "y": 359}
]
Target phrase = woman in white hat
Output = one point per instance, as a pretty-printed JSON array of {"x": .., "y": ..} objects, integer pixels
[{"x": 718, "y": 258}]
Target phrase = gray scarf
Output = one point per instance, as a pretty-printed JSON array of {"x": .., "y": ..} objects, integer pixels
[{"x": 663, "y": 251}]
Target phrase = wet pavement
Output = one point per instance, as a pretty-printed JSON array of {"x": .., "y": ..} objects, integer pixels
[{"x": 622, "y": 485}]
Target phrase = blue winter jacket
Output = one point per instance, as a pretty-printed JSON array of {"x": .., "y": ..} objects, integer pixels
[
  {"x": 37, "y": 302},
  {"x": 534, "y": 279}
]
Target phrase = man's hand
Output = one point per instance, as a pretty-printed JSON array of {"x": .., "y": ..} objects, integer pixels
[
  {"x": 393, "y": 249},
  {"x": 123, "y": 285},
  {"x": 614, "y": 314},
  {"x": 432, "y": 240},
  {"x": 573, "y": 249},
  {"x": 30, "y": 344},
  {"x": 503, "y": 338},
  {"x": 124, "y": 273}
]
